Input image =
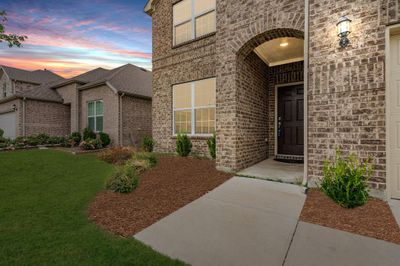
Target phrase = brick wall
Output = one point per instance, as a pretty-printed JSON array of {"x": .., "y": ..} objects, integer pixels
[
  {"x": 110, "y": 110},
  {"x": 189, "y": 62},
  {"x": 69, "y": 93},
  {"x": 46, "y": 117},
  {"x": 347, "y": 86},
  {"x": 136, "y": 120}
]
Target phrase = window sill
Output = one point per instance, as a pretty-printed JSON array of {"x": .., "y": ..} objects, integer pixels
[
  {"x": 194, "y": 40},
  {"x": 196, "y": 137}
]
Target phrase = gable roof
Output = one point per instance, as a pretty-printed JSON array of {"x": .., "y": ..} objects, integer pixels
[
  {"x": 35, "y": 77},
  {"x": 127, "y": 79},
  {"x": 43, "y": 92}
]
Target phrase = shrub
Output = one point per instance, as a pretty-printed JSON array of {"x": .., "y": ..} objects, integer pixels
[
  {"x": 76, "y": 137},
  {"x": 211, "y": 146},
  {"x": 1, "y": 133},
  {"x": 91, "y": 144},
  {"x": 116, "y": 155},
  {"x": 32, "y": 141},
  {"x": 183, "y": 145},
  {"x": 42, "y": 139},
  {"x": 148, "y": 144},
  {"x": 147, "y": 156},
  {"x": 139, "y": 165},
  {"x": 345, "y": 180},
  {"x": 124, "y": 180},
  {"x": 3, "y": 145},
  {"x": 88, "y": 134},
  {"x": 105, "y": 139},
  {"x": 56, "y": 140}
]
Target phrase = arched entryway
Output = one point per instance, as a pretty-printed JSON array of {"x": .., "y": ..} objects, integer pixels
[{"x": 270, "y": 109}]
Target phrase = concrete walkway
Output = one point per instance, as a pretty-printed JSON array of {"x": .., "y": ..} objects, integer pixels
[
  {"x": 271, "y": 169},
  {"x": 255, "y": 222}
]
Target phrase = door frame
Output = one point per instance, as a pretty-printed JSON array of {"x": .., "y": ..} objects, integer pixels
[
  {"x": 277, "y": 87},
  {"x": 390, "y": 30}
]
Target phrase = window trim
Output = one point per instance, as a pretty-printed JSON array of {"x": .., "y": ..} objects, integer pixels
[
  {"x": 193, "y": 109},
  {"x": 193, "y": 20},
  {"x": 95, "y": 114}
]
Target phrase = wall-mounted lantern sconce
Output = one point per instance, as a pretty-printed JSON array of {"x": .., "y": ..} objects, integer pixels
[
  {"x": 14, "y": 107},
  {"x": 343, "y": 27}
]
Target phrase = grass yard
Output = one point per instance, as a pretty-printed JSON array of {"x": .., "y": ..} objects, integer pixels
[{"x": 44, "y": 195}]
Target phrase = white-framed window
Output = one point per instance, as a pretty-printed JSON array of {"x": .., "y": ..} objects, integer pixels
[
  {"x": 193, "y": 19},
  {"x": 194, "y": 107},
  {"x": 95, "y": 115}
]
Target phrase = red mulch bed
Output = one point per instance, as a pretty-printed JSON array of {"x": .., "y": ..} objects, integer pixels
[
  {"x": 374, "y": 219},
  {"x": 170, "y": 185}
]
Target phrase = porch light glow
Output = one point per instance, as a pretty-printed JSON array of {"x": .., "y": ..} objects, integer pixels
[
  {"x": 284, "y": 44},
  {"x": 343, "y": 27}
]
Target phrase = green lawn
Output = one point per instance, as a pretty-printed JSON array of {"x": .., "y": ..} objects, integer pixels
[{"x": 44, "y": 195}]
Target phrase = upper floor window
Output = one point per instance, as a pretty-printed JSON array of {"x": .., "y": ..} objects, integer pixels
[
  {"x": 193, "y": 19},
  {"x": 194, "y": 107},
  {"x": 95, "y": 116}
]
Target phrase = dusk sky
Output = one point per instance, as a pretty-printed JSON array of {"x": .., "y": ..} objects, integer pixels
[{"x": 70, "y": 37}]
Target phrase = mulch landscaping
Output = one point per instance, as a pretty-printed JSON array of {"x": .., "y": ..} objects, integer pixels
[
  {"x": 374, "y": 219},
  {"x": 171, "y": 184}
]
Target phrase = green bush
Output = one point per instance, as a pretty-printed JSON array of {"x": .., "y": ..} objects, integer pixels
[
  {"x": 32, "y": 141},
  {"x": 346, "y": 180},
  {"x": 183, "y": 145},
  {"x": 211, "y": 146},
  {"x": 139, "y": 165},
  {"x": 56, "y": 140},
  {"x": 123, "y": 180},
  {"x": 42, "y": 139},
  {"x": 1, "y": 133},
  {"x": 148, "y": 144},
  {"x": 3, "y": 145},
  {"x": 76, "y": 137},
  {"x": 88, "y": 134},
  {"x": 147, "y": 156},
  {"x": 105, "y": 139}
]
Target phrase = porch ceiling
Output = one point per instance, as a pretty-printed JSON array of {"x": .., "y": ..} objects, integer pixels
[{"x": 281, "y": 51}]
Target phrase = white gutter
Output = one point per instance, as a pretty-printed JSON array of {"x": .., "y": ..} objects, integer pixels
[
  {"x": 23, "y": 117},
  {"x": 306, "y": 64}
]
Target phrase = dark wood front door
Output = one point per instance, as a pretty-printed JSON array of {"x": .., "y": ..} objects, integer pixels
[{"x": 291, "y": 120}]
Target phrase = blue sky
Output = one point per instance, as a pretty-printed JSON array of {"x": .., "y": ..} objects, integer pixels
[{"x": 71, "y": 37}]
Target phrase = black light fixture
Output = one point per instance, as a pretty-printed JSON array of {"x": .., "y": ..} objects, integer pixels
[
  {"x": 343, "y": 27},
  {"x": 14, "y": 107}
]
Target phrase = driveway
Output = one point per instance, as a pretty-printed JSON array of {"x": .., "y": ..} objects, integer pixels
[{"x": 255, "y": 222}]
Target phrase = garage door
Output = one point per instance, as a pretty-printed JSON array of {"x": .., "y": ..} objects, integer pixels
[
  {"x": 8, "y": 124},
  {"x": 394, "y": 118}
]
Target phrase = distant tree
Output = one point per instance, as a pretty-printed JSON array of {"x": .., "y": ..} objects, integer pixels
[{"x": 12, "y": 39}]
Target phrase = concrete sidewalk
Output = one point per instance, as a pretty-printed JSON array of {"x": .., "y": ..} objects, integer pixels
[{"x": 255, "y": 222}]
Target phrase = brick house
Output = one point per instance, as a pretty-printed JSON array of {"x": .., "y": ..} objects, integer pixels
[
  {"x": 116, "y": 101},
  {"x": 272, "y": 81}
]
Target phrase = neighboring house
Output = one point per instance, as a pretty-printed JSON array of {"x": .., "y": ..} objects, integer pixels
[
  {"x": 116, "y": 101},
  {"x": 271, "y": 80},
  {"x": 14, "y": 80}
]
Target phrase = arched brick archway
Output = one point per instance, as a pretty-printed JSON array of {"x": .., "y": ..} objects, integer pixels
[{"x": 269, "y": 35}]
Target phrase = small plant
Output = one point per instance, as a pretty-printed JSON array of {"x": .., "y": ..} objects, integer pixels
[
  {"x": 139, "y": 165},
  {"x": 148, "y": 144},
  {"x": 75, "y": 138},
  {"x": 105, "y": 139},
  {"x": 91, "y": 144},
  {"x": 147, "y": 156},
  {"x": 56, "y": 140},
  {"x": 124, "y": 179},
  {"x": 183, "y": 145},
  {"x": 116, "y": 155},
  {"x": 211, "y": 146},
  {"x": 42, "y": 139},
  {"x": 88, "y": 134},
  {"x": 32, "y": 141},
  {"x": 1, "y": 133},
  {"x": 346, "y": 180}
]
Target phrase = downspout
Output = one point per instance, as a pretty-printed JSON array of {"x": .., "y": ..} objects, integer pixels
[
  {"x": 120, "y": 119},
  {"x": 306, "y": 65},
  {"x": 23, "y": 117}
]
